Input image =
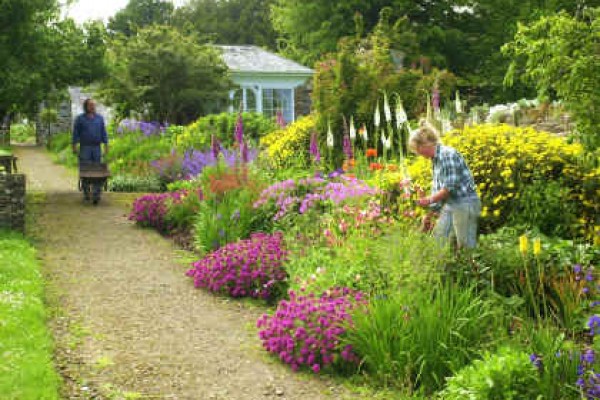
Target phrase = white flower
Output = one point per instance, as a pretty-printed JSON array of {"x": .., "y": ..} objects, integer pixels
[
  {"x": 386, "y": 109},
  {"x": 330, "y": 142},
  {"x": 376, "y": 117},
  {"x": 386, "y": 142},
  {"x": 401, "y": 116},
  {"x": 364, "y": 133},
  {"x": 352, "y": 129},
  {"x": 457, "y": 103}
]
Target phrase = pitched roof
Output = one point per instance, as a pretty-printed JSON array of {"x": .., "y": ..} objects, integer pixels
[{"x": 252, "y": 59}]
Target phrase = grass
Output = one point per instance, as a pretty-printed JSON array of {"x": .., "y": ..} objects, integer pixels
[{"x": 26, "y": 368}]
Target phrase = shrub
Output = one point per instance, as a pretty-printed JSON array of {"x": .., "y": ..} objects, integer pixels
[
  {"x": 247, "y": 268},
  {"x": 289, "y": 147},
  {"x": 503, "y": 160},
  {"x": 505, "y": 375},
  {"x": 198, "y": 134},
  {"x": 306, "y": 330},
  {"x": 134, "y": 184},
  {"x": 546, "y": 206},
  {"x": 418, "y": 336}
]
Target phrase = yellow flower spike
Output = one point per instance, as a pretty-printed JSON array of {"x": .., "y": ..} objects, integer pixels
[
  {"x": 523, "y": 244},
  {"x": 537, "y": 247}
]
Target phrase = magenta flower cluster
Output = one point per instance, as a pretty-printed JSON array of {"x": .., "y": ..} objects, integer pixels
[
  {"x": 308, "y": 330},
  {"x": 247, "y": 268},
  {"x": 290, "y": 196},
  {"x": 150, "y": 210}
]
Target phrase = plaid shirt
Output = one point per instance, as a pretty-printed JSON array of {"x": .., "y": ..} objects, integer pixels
[{"x": 450, "y": 171}]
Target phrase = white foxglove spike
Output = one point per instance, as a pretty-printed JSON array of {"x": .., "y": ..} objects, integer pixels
[
  {"x": 377, "y": 117},
  {"x": 401, "y": 116},
  {"x": 330, "y": 142},
  {"x": 386, "y": 109},
  {"x": 457, "y": 103},
  {"x": 352, "y": 129}
]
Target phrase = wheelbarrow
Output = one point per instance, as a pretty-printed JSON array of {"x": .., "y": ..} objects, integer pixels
[{"x": 93, "y": 174}]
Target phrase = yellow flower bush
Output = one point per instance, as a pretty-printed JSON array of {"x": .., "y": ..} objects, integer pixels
[
  {"x": 504, "y": 158},
  {"x": 289, "y": 146}
]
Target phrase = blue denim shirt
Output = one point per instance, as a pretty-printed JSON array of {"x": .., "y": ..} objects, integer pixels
[{"x": 89, "y": 131}]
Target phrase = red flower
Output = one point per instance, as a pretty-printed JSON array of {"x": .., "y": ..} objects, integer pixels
[
  {"x": 371, "y": 152},
  {"x": 375, "y": 166}
]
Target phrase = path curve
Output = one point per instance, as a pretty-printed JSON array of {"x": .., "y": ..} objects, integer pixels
[{"x": 128, "y": 319}]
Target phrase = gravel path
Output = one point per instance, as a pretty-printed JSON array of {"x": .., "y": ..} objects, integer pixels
[{"x": 128, "y": 323}]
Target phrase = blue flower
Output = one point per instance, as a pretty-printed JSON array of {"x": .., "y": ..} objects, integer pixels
[
  {"x": 536, "y": 360},
  {"x": 594, "y": 324},
  {"x": 588, "y": 356}
]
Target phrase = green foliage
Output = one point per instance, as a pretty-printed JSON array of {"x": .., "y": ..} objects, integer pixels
[
  {"x": 132, "y": 153},
  {"x": 507, "y": 374},
  {"x": 226, "y": 214},
  {"x": 134, "y": 184},
  {"x": 22, "y": 132},
  {"x": 558, "y": 54},
  {"x": 139, "y": 14},
  {"x": 231, "y": 22},
  {"x": 198, "y": 134},
  {"x": 25, "y": 343},
  {"x": 547, "y": 206},
  {"x": 166, "y": 76},
  {"x": 419, "y": 336}
]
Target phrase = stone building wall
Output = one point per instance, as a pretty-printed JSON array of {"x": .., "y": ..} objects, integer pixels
[
  {"x": 302, "y": 100},
  {"x": 12, "y": 202}
]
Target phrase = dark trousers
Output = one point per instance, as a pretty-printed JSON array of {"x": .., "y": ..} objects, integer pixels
[{"x": 91, "y": 154}]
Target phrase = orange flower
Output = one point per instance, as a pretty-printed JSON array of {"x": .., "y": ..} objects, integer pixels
[
  {"x": 351, "y": 162},
  {"x": 392, "y": 167},
  {"x": 371, "y": 152},
  {"x": 351, "y": 176},
  {"x": 375, "y": 166}
]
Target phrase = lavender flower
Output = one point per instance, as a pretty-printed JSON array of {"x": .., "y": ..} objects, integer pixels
[{"x": 594, "y": 324}]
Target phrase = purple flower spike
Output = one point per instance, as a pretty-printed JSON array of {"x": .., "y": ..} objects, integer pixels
[
  {"x": 435, "y": 98},
  {"x": 347, "y": 145},
  {"x": 215, "y": 146},
  {"x": 280, "y": 119},
  {"x": 239, "y": 130},
  {"x": 314, "y": 148}
]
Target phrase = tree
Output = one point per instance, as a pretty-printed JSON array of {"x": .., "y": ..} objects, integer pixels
[
  {"x": 140, "y": 13},
  {"x": 229, "y": 22},
  {"x": 40, "y": 55},
  {"x": 165, "y": 75},
  {"x": 559, "y": 55}
]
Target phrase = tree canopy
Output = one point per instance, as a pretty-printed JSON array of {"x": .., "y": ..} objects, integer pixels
[
  {"x": 140, "y": 13},
  {"x": 165, "y": 75},
  {"x": 229, "y": 22},
  {"x": 40, "y": 54}
]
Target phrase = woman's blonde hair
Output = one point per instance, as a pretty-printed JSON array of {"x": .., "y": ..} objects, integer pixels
[{"x": 425, "y": 135}]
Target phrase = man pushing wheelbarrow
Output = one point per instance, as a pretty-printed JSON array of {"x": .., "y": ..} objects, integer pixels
[{"x": 89, "y": 132}]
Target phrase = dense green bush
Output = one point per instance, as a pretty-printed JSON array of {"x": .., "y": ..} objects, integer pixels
[
  {"x": 198, "y": 134},
  {"x": 507, "y": 374},
  {"x": 134, "y": 184}
]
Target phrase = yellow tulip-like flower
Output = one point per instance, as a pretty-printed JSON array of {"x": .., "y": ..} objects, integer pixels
[
  {"x": 537, "y": 247},
  {"x": 523, "y": 244}
]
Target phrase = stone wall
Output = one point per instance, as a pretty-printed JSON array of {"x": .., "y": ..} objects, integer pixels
[
  {"x": 65, "y": 120},
  {"x": 302, "y": 100},
  {"x": 12, "y": 202}
]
